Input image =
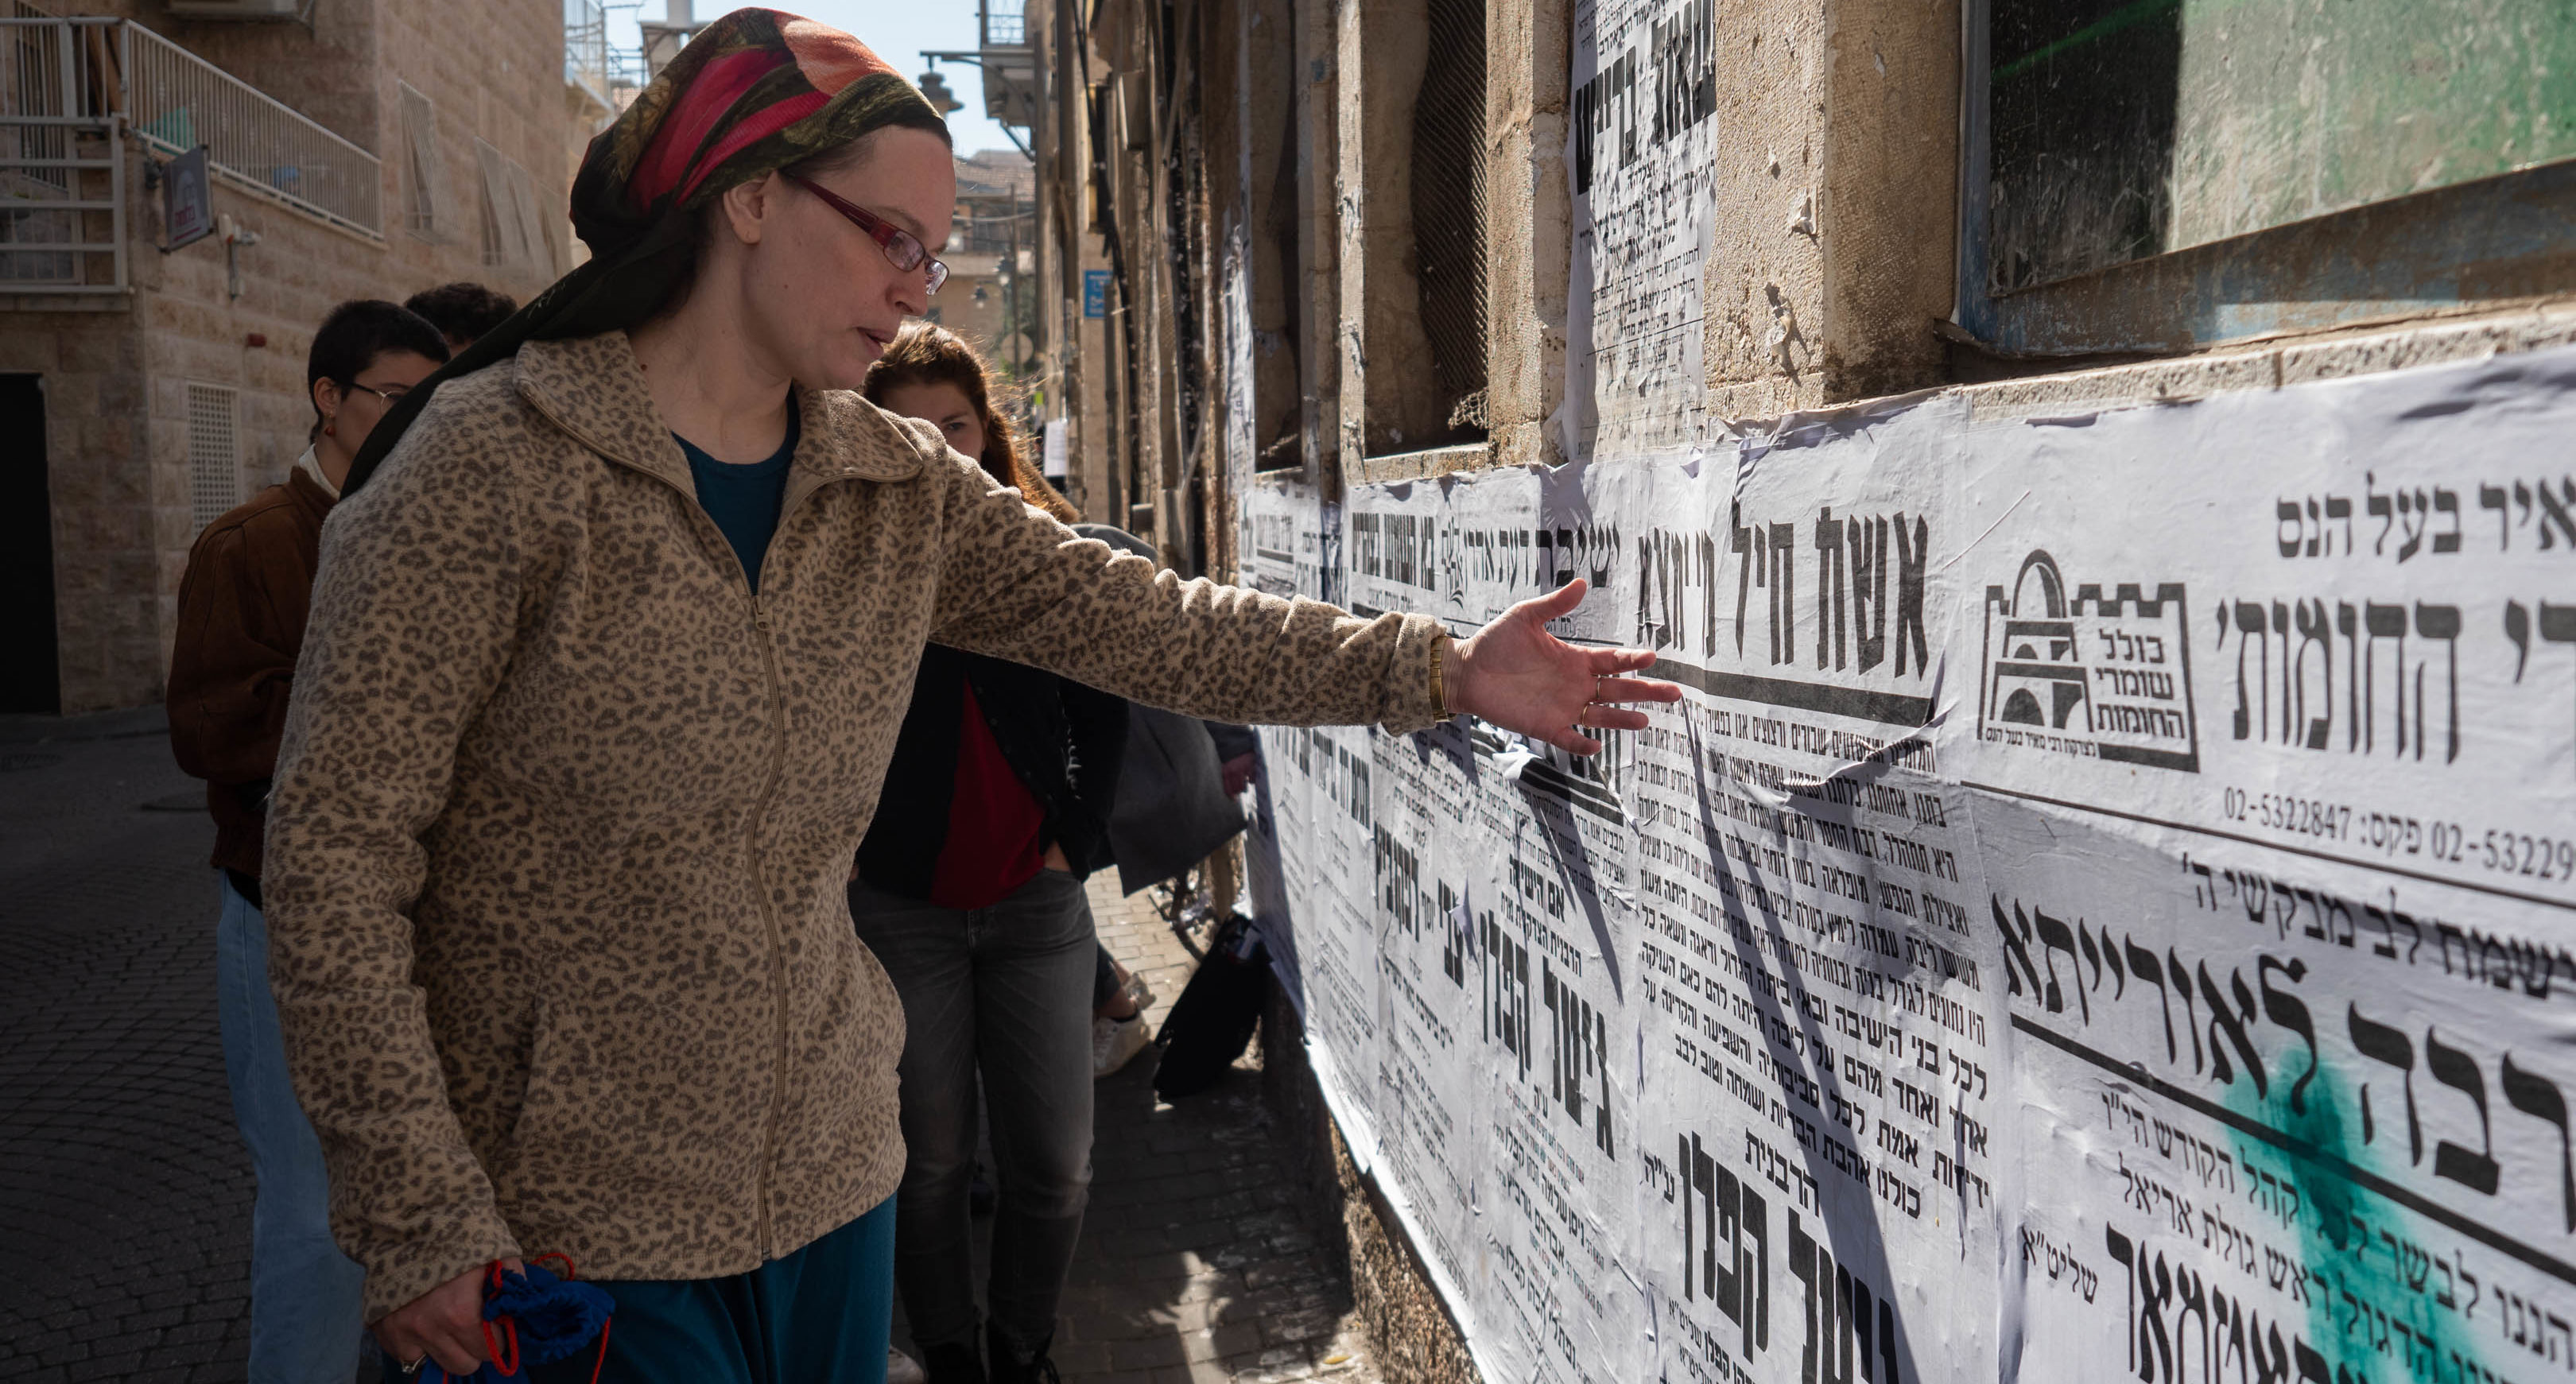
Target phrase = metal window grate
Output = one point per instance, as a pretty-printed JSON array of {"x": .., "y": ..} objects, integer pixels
[
  {"x": 214, "y": 452},
  {"x": 514, "y": 225},
  {"x": 424, "y": 168},
  {"x": 1449, "y": 204}
]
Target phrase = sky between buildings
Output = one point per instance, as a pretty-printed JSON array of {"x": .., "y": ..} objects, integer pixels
[{"x": 897, "y": 29}]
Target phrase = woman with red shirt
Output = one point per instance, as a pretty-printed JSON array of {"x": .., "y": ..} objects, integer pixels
[{"x": 969, "y": 891}]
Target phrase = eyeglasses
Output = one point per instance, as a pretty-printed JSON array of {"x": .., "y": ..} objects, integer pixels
[
  {"x": 902, "y": 250},
  {"x": 391, "y": 396}
]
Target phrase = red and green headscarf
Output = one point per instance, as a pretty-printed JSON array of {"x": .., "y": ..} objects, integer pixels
[{"x": 753, "y": 92}]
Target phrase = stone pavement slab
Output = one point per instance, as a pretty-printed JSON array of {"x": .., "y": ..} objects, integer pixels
[{"x": 124, "y": 1191}]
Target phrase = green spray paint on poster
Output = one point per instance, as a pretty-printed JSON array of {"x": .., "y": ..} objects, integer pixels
[{"x": 2368, "y": 1319}]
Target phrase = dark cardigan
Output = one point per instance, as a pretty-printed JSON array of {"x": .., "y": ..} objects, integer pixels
[{"x": 1062, "y": 739}]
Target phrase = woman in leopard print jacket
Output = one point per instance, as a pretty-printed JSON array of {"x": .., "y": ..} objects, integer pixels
[{"x": 605, "y": 665}]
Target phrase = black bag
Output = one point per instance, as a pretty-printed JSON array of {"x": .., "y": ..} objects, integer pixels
[
  {"x": 1212, "y": 1022},
  {"x": 1172, "y": 810}
]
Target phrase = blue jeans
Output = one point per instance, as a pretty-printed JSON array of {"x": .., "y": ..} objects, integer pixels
[
  {"x": 1004, "y": 991},
  {"x": 817, "y": 1316},
  {"x": 305, "y": 1295}
]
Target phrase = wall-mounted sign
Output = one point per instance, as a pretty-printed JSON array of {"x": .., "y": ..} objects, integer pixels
[
  {"x": 1054, "y": 450},
  {"x": 187, "y": 202},
  {"x": 1095, "y": 293}
]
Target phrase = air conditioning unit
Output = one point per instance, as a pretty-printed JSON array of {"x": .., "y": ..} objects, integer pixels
[{"x": 238, "y": 9}]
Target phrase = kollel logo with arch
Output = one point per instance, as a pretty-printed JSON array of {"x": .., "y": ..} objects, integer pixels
[{"x": 2095, "y": 677}]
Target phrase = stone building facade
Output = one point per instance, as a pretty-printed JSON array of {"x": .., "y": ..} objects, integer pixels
[
  {"x": 1255, "y": 215},
  {"x": 372, "y": 149},
  {"x": 1316, "y": 274},
  {"x": 992, "y": 247}
]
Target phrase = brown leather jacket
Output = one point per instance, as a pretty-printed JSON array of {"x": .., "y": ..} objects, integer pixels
[{"x": 241, "y": 625}]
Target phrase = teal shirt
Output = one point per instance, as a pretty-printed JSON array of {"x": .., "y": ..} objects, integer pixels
[{"x": 744, "y": 500}]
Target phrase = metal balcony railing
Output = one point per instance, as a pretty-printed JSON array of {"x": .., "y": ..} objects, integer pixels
[
  {"x": 62, "y": 177},
  {"x": 586, "y": 63},
  {"x": 1005, "y": 23},
  {"x": 176, "y": 100},
  {"x": 72, "y": 89}
]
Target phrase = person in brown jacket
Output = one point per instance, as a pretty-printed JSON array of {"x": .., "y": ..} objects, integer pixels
[
  {"x": 241, "y": 624},
  {"x": 585, "y": 737}
]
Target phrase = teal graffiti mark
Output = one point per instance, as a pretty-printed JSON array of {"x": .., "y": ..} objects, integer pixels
[{"x": 2382, "y": 1303}]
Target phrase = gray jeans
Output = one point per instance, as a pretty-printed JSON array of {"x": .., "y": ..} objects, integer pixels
[{"x": 1004, "y": 991}]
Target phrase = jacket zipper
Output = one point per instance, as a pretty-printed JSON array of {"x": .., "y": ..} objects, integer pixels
[
  {"x": 764, "y": 1230},
  {"x": 769, "y": 915},
  {"x": 763, "y": 1233},
  {"x": 760, "y": 881}
]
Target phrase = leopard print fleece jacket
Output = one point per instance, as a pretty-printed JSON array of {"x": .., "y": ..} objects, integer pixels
[{"x": 564, "y": 812}]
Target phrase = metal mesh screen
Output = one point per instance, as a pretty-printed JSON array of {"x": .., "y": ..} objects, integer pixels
[
  {"x": 424, "y": 165},
  {"x": 1449, "y": 204},
  {"x": 214, "y": 453},
  {"x": 514, "y": 224}
]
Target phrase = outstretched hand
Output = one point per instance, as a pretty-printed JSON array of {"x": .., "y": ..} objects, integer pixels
[{"x": 1520, "y": 677}]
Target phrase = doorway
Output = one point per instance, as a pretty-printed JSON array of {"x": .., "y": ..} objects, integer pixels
[{"x": 30, "y": 677}]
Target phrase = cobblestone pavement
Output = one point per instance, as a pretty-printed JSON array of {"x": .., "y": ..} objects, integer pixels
[
  {"x": 124, "y": 1192},
  {"x": 125, "y": 1195},
  {"x": 1194, "y": 1266}
]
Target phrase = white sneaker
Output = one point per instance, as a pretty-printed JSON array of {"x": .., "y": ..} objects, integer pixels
[
  {"x": 903, "y": 1369},
  {"x": 1115, "y": 1042}
]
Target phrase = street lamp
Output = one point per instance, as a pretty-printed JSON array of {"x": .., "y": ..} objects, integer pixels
[{"x": 934, "y": 89}]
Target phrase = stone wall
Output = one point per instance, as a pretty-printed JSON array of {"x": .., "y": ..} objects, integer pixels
[
  {"x": 106, "y": 558},
  {"x": 1825, "y": 186},
  {"x": 494, "y": 71}
]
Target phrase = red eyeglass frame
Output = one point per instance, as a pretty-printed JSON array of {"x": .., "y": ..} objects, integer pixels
[{"x": 889, "y": 237}]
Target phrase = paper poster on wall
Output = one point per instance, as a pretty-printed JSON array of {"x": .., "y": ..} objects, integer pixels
[
  {"x": 2102, "y": 907},
  {"x": 2334, "y": 620},
  {"x": 1281, "y": 526},
  {"x": 1337, "y": 934},
  {"x": 1555, "y": 924},
  {"x": 1638, "y": 156},
  {"x": 2255, "y": 1142},
  {"x": 1819, "y": 1021},
  {"x": 2275, "y": 755},
  {"x": 1429, "y": 1100}
]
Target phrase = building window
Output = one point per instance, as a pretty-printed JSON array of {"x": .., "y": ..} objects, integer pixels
[
  {"x": 514, "y": 222},
  {"x": 1413, "y": 275},
  {"x": 424, "y": 169},
  {"x": 2150, "y": 175},
  {"x": 1449, "y": 209},
  {"x": 1276, "y": 311},
  {"x": 214, "y": 452}
]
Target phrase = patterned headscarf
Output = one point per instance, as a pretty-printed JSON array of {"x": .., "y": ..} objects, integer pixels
[{"x": 753, "y": 92}]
